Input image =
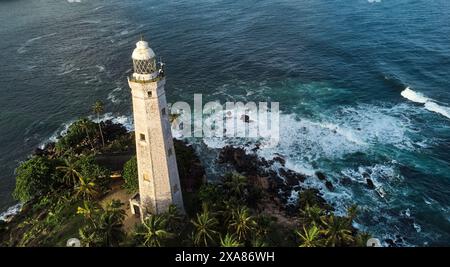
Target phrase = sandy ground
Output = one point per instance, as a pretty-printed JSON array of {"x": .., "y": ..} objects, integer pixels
[{"x": 121, "y": 194}]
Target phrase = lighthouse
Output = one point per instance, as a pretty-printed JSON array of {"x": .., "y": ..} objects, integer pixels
[{"x": 159, "y": 183}]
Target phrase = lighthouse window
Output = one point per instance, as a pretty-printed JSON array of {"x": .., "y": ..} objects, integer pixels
[
  {"x": 149, "y": 93},
  {"x": 163, "y": 111},
  {"x": 144, "y": 66},
  {"x": 142, "y": 137}
]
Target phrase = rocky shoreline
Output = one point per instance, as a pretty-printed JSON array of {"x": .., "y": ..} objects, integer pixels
[{"x": 273, "y": 176}]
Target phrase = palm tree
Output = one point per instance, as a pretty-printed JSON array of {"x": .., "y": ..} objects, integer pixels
[
  {"x": 104, "y": 226},
  {"x": 71, "y": 175},
  {"x": 86, "y": 189},
  {"x": 313, "y": 214},
  {"x": 307, "y": 198},
  {"x": 229, "y": 241},
  {"x": 361, "y": 239},
  {"x": 84, "y": 124},
  {"x": 205, "y": 225},
  {"x": 88, "y": 237},
  {"x": 111, "y": 223},
  {"x": 336, "y": 231},
  {"x": 236, "y": 183},
  {"x": 258, "y": 242},
  {"x": 309, "y": 237},
  {"x": 352, "y": 212},
  {"x": 88, "y": 210},
  {"x": 263, "y": 225},
  {"x": 242, "y": 223},
  {"x": 154, "y": 231},
  {"x": 98, "y": 108},
  {"x": 173, "y": 218}
]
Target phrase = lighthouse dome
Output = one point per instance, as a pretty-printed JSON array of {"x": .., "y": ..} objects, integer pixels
[
  {"x": 144, "y": 62},
  {"x": 143, "y": 51}
]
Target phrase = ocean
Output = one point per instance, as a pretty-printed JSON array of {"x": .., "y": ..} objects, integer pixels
[{"x": 363, "y": 87}]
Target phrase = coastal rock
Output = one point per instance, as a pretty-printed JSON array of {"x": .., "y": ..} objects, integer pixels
[
  {"x": 292, "y": 178},
  {"x": 321, "y": 176},
  {"x": 390, "y": 242},
  {"x": 329, "y": 185},
  {"x": 370, "y": 184},
  {"x": 345, "y": 181},
  {"x": 237, "y": 157},
  {"x": 39, "y": 152},
  {"x": 280, "y": 182},
  {"x": 280, "y": 160}
]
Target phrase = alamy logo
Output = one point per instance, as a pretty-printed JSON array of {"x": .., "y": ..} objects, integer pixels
[{"x": 230, "y": 120}]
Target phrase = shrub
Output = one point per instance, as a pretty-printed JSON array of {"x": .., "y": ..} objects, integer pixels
[
  {"x": 130, "y": 175},
  {"x": 34, "y": 177}
]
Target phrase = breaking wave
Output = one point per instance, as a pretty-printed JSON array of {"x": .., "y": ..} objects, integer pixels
[
  {"x": 11, "y": 211},
  {"x": 429, "y": 103}
]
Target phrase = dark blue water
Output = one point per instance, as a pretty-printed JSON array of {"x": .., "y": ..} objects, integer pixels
[{"x": 338, "y": 69}]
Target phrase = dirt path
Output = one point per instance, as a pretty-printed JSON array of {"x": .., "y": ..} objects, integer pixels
[{"x": 121, "y": 194}]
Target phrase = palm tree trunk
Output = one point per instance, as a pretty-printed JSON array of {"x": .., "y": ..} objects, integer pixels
[
  {"x": 100, "y": 128},
  {"x": 89, "y": 138}
]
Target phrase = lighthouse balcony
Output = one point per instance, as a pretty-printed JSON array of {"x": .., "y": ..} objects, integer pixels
[{"x": 135, "y": 79}]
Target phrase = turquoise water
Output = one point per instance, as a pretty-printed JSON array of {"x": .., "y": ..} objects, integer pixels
[{"x": 338, "y": 69}]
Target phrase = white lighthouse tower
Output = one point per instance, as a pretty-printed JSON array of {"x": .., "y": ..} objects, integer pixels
[{"x": 159, "y": 183}]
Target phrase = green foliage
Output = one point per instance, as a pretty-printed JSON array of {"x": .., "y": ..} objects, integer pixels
[
  {"x": 312, "y": 215},
  {"x": 78, "y": 138},
  {"x": 361, "y": 239},
  {"x": 175, "y": 221},
  {"x": 327, "y": 229},
  {"x": 236, "y": 185},
  {"x": 84, "y": 175},
  {"x": 70, "y": 173},
  {"x": 130, "y": 175},
  {"x": 205, "y": 228},
  {"x": 103, "y": 226},
  {"x": 153, "y": 232},
  {"x": 229, "y": 241},
  {"x": 310, "y": 237},
  {"x": 242, "y": 223},
  {"x": 97, "y": 109},
  {"x": 210, "y": 194},
  {"x": 86, "y": 189},
  {"x": 34, "y": 177},
  {"x": 89, "y": 168},
  {"x": 309, "y": 198},
  {"x": 337, "y": 231}
]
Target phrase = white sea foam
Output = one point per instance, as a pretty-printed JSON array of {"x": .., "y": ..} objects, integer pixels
[
  {"x": 126, "y": 121},
  {"x": 10, "y": 212},
  {"x": 62, "y": 130},
  {"x": 414, "y": 96},
  {"x": 23, "y": 48},
  {"x": 112, "y": 96},
  {"x": 417, "y": 227},
  {"x": 444, "y": 111},
  {"x": 100, "y": 68},
  {"x": 353, "y": 129},
  {"x": 429, "y": 103}
]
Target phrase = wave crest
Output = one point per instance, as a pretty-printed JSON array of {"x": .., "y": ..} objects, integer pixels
[{"x": 429, "y": 103}]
